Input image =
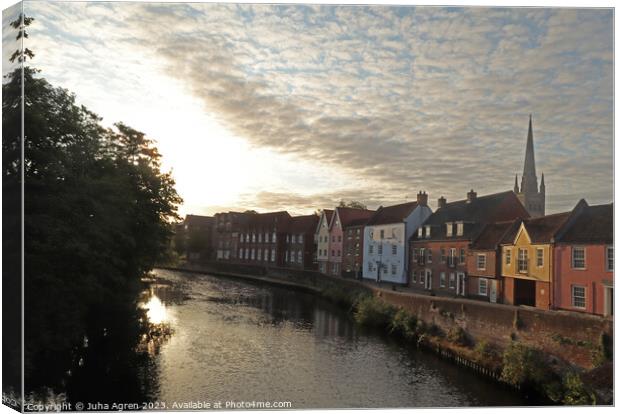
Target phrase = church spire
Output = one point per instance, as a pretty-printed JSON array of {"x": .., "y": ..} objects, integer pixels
[
  {"x": 516, "y": 190},
  {"x": 529, "y": 182}
]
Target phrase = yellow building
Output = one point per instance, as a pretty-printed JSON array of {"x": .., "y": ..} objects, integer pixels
[{"x": 527, "y": 261}]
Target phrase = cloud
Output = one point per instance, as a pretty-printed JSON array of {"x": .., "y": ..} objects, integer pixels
[{"x": 404, "y": 98}]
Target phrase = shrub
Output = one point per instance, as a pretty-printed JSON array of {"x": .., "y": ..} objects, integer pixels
[
  {"x": 458, "y": 336},
  {"x": 405, "y": 324},
  {"x": 575, "y": 393},
  {"x": 373, "y": 312},
  {"x": 522, "y": 365},
  {"x": 483, "y": 351}
]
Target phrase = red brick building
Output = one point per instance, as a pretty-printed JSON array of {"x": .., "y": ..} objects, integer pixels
[
  {"x": 353, "y": 247},
  {"x": 583, "y": 274},
  {"x": 341, "y": 219},
  {"x": 262, "y": 238},
  {"x": 484, "y": 267},
  {"x": 226, "y": 234},
  {"x": 299, "y": 244},
  {"x": 440, "y": 247}
]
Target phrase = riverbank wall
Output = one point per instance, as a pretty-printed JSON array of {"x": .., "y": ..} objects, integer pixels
[{"x": 568, "y": 337}]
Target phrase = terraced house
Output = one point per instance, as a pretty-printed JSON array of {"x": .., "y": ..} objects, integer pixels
[
  {"x": 583, "y": 260},
  {"x": 440, "y": 247},
  {"x": 300, "y": 247},
  {"x": 342, "y": 217},
  {"x": 262, "y": 238},
  {"x": 385, "y": 239},
  {"x": 353, "y": 246},
  {"x": 323, "y": 240}
]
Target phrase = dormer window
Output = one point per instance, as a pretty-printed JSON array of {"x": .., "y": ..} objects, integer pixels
[
  {"x": 420, "y": 232},
  {"x": 459, "y": 228},
  {"x": 428, "y": 231},
  {"x": 449, "y": 229}
]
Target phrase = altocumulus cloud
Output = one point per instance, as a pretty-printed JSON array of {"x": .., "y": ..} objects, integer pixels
[{"x": 406, "y": 98}]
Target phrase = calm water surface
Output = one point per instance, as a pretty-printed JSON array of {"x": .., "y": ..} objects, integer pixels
[{"x": 240, "y": 341}]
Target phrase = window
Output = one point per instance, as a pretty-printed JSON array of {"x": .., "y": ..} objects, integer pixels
[
  {"x": 429, "y": 255},
  {"x": 452, "y": 257},
  {"x": 287, "y": 238},
  {"x": 414, "y": 252},
  {"x": 247, "y": 253},
  {"x": 539, "y": 257},
  {"x": 253, "y": 237},
  {"x": 260, "y": 237},
  {"x": 369, "y": 266},
  {"x": 579, "y": 258},
  {"x": 522, "y": 261},
  {"x": 578, "y": 294},
  {"x": 420, "y": 232},
  {"x": 462, "y": 257},
  {"x": 266, "y": 255},
  {"x": 241, "y": 253},
  {"x": 260, "y": 254},
  {"x": 507, "y": 255},
  {"x": 422, "y": 276},
  {"x": 253, "y": 255},
  {"x": 357, "y": 231},
  {"x": 273, "y": 255},
  {"x": 443, "y": 255},
  {"x": 482, "y": 287},
  {"x": 299, "y": 256},
  {"x": 449, "y": 229},
  {"x": 481, "y": 262},
  {"x": 300, "y": 238},
  {"x": 393, "y": 269},
  {"x": 333, "y": 252},
  {"x": 442, "y": 279},
  {"x": 338, "y": 251},
  {"x": 452, "y": 281},
  {"x": 380, "y": 249},
  {"x": 459, "y": 228},
  {"x": 266, "y": 237},
  {"x": 286, "y": 256},
  {"x": 370, "y": 248},
  {"x": 384, "y": 269},
  {"x": 382, "y": 234},
  {"x": 609, "y": 252},
  {"x": 394, "y": 249},
  {"x": 428, "y": 231},
  {"x": 414, "y": 277}
]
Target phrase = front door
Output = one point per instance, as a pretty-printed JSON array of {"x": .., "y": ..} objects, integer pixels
[
  {"x": 460, "y": 284},
  {"x": 493, "y": 291},
  {"x": 428, "y": 281}
]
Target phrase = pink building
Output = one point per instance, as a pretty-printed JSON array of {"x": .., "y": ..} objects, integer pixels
[
  {"x": 342, "y": 217},
  {"x": 584, "y": 261}
]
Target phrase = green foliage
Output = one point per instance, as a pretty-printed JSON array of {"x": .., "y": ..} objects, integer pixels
[
  {"x": 575, "y": 393},
  {"x": 97, "y": 216},
  {"x": 522, "y": 365},
  {"x": 352, "y": 204},
  {"x": 603, "y": 351},
  {"x": 458, "y": 336},
  {"x": 373, "y": 312},
  {"x": 483, "y": 351},
  {"x": 405, "y": 324}
]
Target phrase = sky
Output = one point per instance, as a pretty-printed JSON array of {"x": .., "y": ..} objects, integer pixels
[{"x": 294, "y": 107}]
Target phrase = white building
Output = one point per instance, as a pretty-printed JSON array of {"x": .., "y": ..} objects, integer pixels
[
  {"x": 322, "y": 239},
  {"x": 386, "y": 237}
]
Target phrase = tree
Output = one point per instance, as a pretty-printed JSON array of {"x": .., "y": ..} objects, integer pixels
[
  {"x": 20, "y": 24},
  {"x": 352, "y": 204}
]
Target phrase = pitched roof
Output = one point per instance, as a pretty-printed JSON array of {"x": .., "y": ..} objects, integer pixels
[
  {"x": 303, "y": 224},
  {"x": 269, "y": 219},
  {"x": 474, "y": 214},
  {"x": 594, "y": 224},
  {"x": 492, "y": 234},
  {"x": 348, "y": 215},
  {"x": 392, "y": 214},
  {"x": 195, "y": 220},
  {"x": 543, "y": 229}
]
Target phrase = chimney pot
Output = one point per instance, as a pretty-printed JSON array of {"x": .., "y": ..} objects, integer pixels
[
  {"x": 471, "y": 196},
  {"x": 441, "y": 202},
  {"x": 422, "y": 198}
]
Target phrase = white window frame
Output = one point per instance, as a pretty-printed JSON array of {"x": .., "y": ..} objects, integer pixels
[
  {"x": 540, "y": 257},
  {"x": 428, "y": 231},
  {"x": 420, "y": 232},
  {"x": 459, "y": 228},
  {"x": 452, "y": 281},
  {"x": 572, "y": 257},
  {"x": 573, "y": 296},
  {"x": 449, "y": 229},
  {"x": 482, "y": 256},
  {"x": 393, "y": 268},
  {"x": 442, "y": 279},
  {"x": 370, "y": 248},
  {"x": 508, "y": 256},
  {"x": 429, "y": 255},
  {"x": 483, "y": 287}
]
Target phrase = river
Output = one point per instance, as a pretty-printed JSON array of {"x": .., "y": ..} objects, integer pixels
[{"x": 239, "y": 341}]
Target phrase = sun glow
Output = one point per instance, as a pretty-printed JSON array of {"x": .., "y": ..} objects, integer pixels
[{"x": 156, "y": 310}]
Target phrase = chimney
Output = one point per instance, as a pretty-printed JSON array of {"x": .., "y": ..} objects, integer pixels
[
  {"x": 471, "y": 196},
  {"x": 441, "y": 202},
  {"x": 422, "y": 198}
]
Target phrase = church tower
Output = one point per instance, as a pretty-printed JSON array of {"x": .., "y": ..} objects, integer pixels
[{"x": 530, "y": 195}]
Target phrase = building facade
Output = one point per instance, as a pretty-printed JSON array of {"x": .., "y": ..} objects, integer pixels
[
  {"x": 262, "y": 239},
  {"x": 584, "y": 261},
  {"x": 386, "y": 253},
  {"x": 341, "y": 218},
  {"x": 300, "y": 248},
  {"x": 527, "y": 265},
  {"x": 197, "y": 235},
  {"x": 441, "y": 246},
  {"x": 530, "y": 195},
  {"x": 226, "y": 234},
  {"x": 323, "y": 240},
  {"x": 353, "y": 248}
]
